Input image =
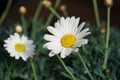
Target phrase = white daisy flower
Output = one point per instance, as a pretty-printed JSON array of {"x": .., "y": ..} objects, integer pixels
[
  {"x": 66, "y": 37},
  {"x": 19, "y": 46}
]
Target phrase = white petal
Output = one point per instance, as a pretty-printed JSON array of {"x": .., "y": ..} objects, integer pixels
[
  {"x": 50, "y": 37},
  {"x": 81, "y": 42},
  {"x": 16, "y": 56},
  {"x": 23, "y": 39},
  {"x": 51, "y": 54},
  {"x": 62, "y": 21},
  {"x": 71, "y": 25},
  {"x": 63, "y": 54},
  {"x": 84, "y": 31},
  {"x": 53, "y": 31},
  {"x": 51, "y": 45},
  {"x": 57, "y": 49},
  {"x": 68, "y": 51},
  {"x": 75, "y": 49},
  {"x": 80, "y": 27},
  {"x": 23, "y": 57},
  {"x": 75, "y": 25},
  {"x": 81, "y": 35}
]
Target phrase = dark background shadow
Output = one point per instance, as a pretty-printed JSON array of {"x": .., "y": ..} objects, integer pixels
[{"x": 78, "y": 8}]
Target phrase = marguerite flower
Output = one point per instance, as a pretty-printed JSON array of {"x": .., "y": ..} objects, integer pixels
[
  {"x": 19, "y": 46},
  {"x": 66, "y": 36}
]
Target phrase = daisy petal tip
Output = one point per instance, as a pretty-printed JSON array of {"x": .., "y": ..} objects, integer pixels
[
  {"x": 76, "y": 50},
  {"x": 4, "y": 45},
  {"x": 78, "y": 18},
  {"x": 45, "y": 36},
  {"x": 16, "y": 57},
  {"x": 73, "y": 17},
  {"x": 62, "y": 56},
  {"x": 44, "y": 46},
  {"x": 24, "y": 59},
  {"x": 51, "y": 54},
  {"x": 16, "y": 34},
  {"x": 89, "y": 32},
  {"x": 62, "y": 17}
]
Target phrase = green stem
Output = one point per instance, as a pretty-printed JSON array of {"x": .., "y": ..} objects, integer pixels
[
  {"x": 24, "y": 24},
  {"x": 87, "y": 70},
  {"x": 65, "y": 13},
  {"x": 96, "y": 12},
  {"x": 33, "y": 34},
  {"x": 37, "y": 13},
  {"x": 84, "y": 49},
  {"x": 49, "y": 20},
  {"x": 33, "y": 69},
  {"x": 65, "y": 67},
  {"x": 51, "y": 14},
  {"x": 57, "y": 3},
  {"x": 107, "y": 39},
  {"x": 108, "y": 77},
  {"x": 2, "y": 18},
  {"x": 54, "y": 12}
]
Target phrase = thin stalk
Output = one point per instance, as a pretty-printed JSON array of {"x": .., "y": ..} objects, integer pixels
[
  {"x": 84, "y": 49},
  {"x": 3, "y": 16},
  {"x": 86, "y": 68},
  {"x": 65, "y": 13},
  {"x": 33, "y": 34},
  {"x": 51, "y": 14},
  {"x": 54, "y": 12},
  {"x": 33, "y": 69},
  {"x": 107, "y": 39},
  {"x": 49, "y": 20},
  {"x": 24, "y": 24},
  {"x": 57, "y": 3},
  {"x": 96, "y": 12},
  {"x": 37, "y": 13},
  {"x": 65, "y": 67}
]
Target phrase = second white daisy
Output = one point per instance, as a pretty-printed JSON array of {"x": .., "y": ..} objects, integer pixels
[
  {"x": 19, "y": 46},
  {"x": 66, "y": 37}
]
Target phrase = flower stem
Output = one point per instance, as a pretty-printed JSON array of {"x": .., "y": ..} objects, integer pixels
[
  {"x": 33, "y": 69},
  {"x": 84, "y": 49},
  {"x": 107, "y": 39},
  {"x": 54, "y": 12},
  {"x": 24, "y": 24},
  {"x": 96, "y": 12},
  {"x": 65, "y": 67},
  {"x": 5, "y": 12},
  {"x": 33, "y": 34},
  {"x": 65, "y": 13},
  {"x": 37, "y": 13},
  {"x": 80, "y": 57},
  {"x": 51, "y": 14}
]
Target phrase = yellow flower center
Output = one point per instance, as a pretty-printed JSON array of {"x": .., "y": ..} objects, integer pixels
[
  {"x": 68, "y": 40},
  {"x": 19, "y": 47}
]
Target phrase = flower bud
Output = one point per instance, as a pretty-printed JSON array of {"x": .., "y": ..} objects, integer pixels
[
  {"x": 108, "y": 3},
  {"x": 107, "y": 71},
  {"x": 47, "y": 3},
  {"x": 18, "y": 29},
  {"x": 62, "y": 7},
  {"x": 102, "y": 30},
  {"x": 26, "y": 75},
  {"x": 22, "y": 10}
]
